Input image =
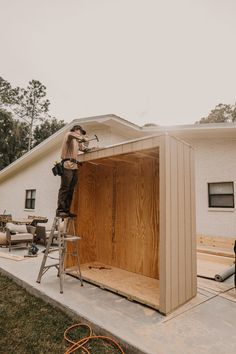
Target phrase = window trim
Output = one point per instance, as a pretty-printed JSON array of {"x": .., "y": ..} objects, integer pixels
[
  {"x": 211, "y": 207},
  {"x": 31, "y": 199}
]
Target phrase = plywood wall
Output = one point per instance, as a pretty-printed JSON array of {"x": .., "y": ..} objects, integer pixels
[
  {"x": 177, "y": 224},
  {"x": 118, "y": 214}
]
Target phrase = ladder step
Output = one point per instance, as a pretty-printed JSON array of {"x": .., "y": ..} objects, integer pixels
[
  {"x": 72, "y": 238},
  {"x": 52, "y": 265}
]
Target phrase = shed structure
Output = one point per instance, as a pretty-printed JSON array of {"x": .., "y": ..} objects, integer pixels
[{"x": 135, "y": 205}]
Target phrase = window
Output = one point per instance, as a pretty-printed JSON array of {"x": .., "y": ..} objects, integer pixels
[
  {"x": 30, "y": 198},
  {"x": 221, "y": 195}
]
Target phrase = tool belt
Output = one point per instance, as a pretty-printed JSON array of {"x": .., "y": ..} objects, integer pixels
[
  {"x": 58, "y": 168},
  {"x": 71, "y": 160}
]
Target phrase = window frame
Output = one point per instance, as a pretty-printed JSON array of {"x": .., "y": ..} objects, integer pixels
[
  {"x": 220, "y": 194},
  {"x": 31, "y": 200}
]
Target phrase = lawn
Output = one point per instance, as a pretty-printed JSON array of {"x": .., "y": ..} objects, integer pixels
[{"x": 28, "y": 325}]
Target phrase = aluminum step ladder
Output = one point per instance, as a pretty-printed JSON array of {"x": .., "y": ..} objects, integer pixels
[{"x": 62, "y": 239}]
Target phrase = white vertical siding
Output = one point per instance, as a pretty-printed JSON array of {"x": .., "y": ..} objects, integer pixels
[{"x": 177, "y": 219}]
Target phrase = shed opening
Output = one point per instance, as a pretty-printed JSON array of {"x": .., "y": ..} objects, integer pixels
[{"x": 117, "y": 203}]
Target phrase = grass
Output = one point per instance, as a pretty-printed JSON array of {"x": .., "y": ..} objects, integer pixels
[{"x": 28, "y": 325}]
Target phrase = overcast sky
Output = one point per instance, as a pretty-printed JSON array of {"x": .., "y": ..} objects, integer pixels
[{"x": 161, "y": 61}]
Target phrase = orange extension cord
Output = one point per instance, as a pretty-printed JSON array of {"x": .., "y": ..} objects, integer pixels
[{"x": 80, "y": 344}]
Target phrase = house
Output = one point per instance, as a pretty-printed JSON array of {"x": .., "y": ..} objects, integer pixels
[{"x": 27, "y": 186}]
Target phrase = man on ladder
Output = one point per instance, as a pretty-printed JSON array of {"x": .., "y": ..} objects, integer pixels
[{"x": 74, "y": 141}]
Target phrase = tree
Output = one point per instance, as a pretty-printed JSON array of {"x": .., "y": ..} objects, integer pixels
[
  {"x": 46, "y": 129},
  {"x": 27, "y": 104},
  {"x": 32, "y": 106},
  {"x": 8, "y": 95},
  {"x": 27, "y": 124},
  {"x": 13, "y": 138},
  {"x": 222, "y": 113}
]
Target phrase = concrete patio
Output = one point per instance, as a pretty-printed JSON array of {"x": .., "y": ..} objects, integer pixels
[{"x": 206, "y": 324}]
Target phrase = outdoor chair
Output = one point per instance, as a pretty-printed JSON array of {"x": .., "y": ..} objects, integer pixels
[
  {"x": 41, "y": 234},
  {"x": 4, "y": 218},
  {"x": 37, "y": 219},
  {"x": 16, "y": 235}
]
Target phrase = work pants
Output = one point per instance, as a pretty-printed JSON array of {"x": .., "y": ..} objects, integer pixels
[{"x": 68, "y": 181}]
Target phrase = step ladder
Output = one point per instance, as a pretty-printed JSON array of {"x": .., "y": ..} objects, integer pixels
[{"x": 63, "y": 239}]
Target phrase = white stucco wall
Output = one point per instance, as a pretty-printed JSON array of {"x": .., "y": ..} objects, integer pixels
[
  {"x": 36, "y": 176},
  {"x": 215, "y": 161},
  {"x": 39, "y": 176}
]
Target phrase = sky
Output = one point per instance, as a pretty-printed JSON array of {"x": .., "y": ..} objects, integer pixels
[{"x": 166, "y": 62}]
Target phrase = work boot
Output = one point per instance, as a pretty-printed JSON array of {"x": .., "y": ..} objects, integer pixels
[
  {"x": 72, "y": 215},
  {"x": 62, "y": 214}
]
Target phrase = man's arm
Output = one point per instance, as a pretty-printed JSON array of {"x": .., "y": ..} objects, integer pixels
[{"x": 80, "y": 138}]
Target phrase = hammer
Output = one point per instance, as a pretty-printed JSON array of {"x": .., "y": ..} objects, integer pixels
[
  {"x": 95, "y": 138},
  {"x": 84, "y": 141}
]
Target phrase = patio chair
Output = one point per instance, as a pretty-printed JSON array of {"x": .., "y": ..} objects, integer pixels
[
  {"x": 4, "y": 218},
  {"x": 37, "y": 219},
  {"x": 41, "y": 234},
  {"x": 16, "y": 235}
]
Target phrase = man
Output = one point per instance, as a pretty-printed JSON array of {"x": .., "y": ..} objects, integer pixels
[{"x": 74, "y": 141}]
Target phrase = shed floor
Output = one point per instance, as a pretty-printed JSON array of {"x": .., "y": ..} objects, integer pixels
[
  {"x": 205, "y": 325},
  {"x": 131, "y": 285}
]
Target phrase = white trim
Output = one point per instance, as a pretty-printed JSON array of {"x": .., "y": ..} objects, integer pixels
[{"x": 221, "y": 209}]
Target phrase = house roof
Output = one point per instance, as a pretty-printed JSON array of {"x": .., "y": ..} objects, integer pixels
[
  {"x": 126, "y": 129},
  {"x": 118, "y": 124},
  {"x": 198, "y": 131}
]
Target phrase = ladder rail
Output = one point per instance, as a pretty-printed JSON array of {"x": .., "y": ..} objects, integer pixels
[{"x": 62, "y": 239}]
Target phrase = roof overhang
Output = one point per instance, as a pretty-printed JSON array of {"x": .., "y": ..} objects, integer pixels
[
  {"x": 198, "y": 131},
  {"x": 127, "y": 129},
  {"x": 119, "y": 125}
]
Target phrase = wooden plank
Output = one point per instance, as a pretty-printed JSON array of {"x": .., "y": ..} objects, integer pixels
[
  {"x": 11, "y": 256},
  {"x": 165, "y": 230},
  {"x": 133, "y": 286},
  {"x": 174, "y": 209},
  {"x": 193, "y": 222},
  {"x": 188, "y": 230},
  {"x": 216, "y": 241},
  {"x": 181, "y": 226},
  {"x": 215, "y": 251}
]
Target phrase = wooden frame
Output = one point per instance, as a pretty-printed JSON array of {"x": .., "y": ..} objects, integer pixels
[{"x": 136, "y": 216}]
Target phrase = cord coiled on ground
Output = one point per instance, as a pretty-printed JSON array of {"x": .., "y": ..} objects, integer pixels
[{"x": 80, "y": 343}]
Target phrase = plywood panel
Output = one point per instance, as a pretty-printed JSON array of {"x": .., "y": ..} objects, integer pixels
[
  {"x": 104, "y": 200},
  {"x": 120, "y": 224},
  {"x": 86, "y": 212},
  {"x": 133, "y": 286},
  {"x": 136, "y": 228}
]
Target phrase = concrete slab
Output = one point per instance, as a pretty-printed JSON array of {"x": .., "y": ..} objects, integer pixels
[{"x": 206, "y": 324}]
